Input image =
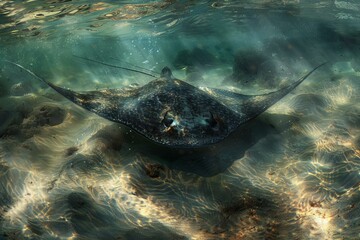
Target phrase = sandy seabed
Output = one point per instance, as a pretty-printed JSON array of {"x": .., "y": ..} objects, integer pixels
[{"x": 292, "y": 173}]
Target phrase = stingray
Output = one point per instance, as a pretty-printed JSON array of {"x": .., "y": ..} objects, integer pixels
[{"x": 172, "y": 112}]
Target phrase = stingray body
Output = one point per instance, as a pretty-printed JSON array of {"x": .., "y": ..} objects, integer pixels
[{"x": 174, "y": 113}]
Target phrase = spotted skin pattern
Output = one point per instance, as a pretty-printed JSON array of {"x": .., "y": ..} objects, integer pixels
[{"x": 174, "y": 113}]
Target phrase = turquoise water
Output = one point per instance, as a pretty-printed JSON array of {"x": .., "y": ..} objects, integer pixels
[{"x": 291, "y": 173}]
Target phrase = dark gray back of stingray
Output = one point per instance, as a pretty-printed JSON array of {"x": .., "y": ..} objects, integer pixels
[
  {"x": 174, "y": 113},
  {"x": 170, "y": 112}
]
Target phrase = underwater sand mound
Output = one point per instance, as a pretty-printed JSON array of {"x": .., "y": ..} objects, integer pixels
[
  {"x": 20, "y": 89},
  {"x": 46, "y": 115},
  {"x": 309, "y": 104}
]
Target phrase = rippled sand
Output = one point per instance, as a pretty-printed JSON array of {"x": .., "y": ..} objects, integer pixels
[{"x": 291, "y": 173}]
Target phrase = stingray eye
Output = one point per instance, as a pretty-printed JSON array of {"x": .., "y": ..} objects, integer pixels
[
  {"x": 167, "y": 120},
  {"x": 212, "y": 121}
]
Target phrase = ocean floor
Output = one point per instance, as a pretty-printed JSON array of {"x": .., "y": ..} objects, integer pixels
[{"x": 291, "y": 173}]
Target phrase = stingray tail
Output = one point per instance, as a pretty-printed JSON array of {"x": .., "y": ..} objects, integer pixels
[
  {"x": 114, "y": 66},
  {"x": 133, "y": 65}
]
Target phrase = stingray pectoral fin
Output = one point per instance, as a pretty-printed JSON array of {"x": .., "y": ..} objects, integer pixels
[
  {"x": 66, "y": 93},
  {"x": 100, "y": 102},
  {"x": 250, "y": 106},
  {"x": 229, "y": 99},
  {"x": 30, "y": 72},
  {"x": 255, "y": 105},
  {"x": 108, "y": 103},
  {"x": 71, "y": 95}
]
